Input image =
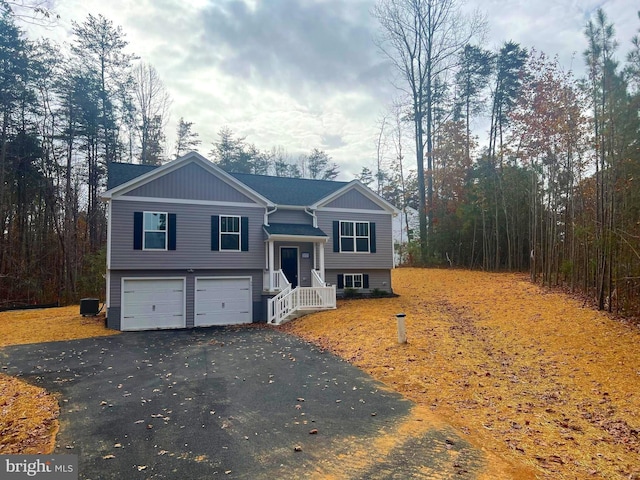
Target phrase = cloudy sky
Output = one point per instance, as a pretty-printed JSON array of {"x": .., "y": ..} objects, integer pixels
[{"x": 306, "y": 74}]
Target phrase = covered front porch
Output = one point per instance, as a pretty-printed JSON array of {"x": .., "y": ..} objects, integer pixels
[{"x": 295, "y": 272}]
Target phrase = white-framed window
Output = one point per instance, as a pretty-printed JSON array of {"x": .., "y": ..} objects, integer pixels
[
  {"x": 355, "y": 237},
  {"x": 353, "y": 280},
  {"x": 154, "y": 232},
  {"x": 230, "y": 233}
]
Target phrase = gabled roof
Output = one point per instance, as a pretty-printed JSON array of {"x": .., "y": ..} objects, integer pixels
[
  {"x": 360, "y": 187},
  {"x": 285, "y": 191},
  {"x": 120, "y": 173},
  {"x": 290, "y": 191},
  {"x": 153, "y": 173}
]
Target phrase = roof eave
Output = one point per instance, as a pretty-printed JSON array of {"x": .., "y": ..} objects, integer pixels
[
  {"x": 378, "y": 200},
  {"x": 277, "y": 237},
  {"x": 174, "y": 165},
  {"x": 291, "y": 207}
]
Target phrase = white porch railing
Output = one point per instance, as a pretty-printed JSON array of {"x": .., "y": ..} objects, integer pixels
[
  {"x": 280, "y": 281},
  {"x": 290, "y": 301},
  {"x": 315, "y": 298},
  {"x": 280, "y": 306},
  {"x": 316, "y": 279}
]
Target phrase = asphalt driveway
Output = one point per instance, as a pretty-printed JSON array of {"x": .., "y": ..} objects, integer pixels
[{"x": 229, "y": 403}]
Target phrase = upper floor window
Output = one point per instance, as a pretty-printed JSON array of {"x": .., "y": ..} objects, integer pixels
[
  {"x": 155, "y": 231},
  {"x": 230, "y": 233},
  {"x": 354, "y": 236}
]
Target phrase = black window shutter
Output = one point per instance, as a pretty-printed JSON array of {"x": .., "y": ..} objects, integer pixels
[
  {"x": 372, "y": 238},
  {"x": 244, "y": 234},
  {"x": 340, "y": 280},
  {"x": 137, "y": 230},
  {"x": 171, "y": 244},
  {"x": 215, "y": 232},
  {"x": 336, "y": 236},
  {"x": 365, "y": 280}
]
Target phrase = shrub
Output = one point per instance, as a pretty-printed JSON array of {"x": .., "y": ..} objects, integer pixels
[
  {"x": 351, "y": 293},
  {"x": 377, "y": 293}
]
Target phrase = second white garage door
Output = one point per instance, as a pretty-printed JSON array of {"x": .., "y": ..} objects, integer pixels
[{"x": 222, "y": 301}]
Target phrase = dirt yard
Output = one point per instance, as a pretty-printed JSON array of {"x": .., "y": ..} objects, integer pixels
[{"x": 534, "y": 378}]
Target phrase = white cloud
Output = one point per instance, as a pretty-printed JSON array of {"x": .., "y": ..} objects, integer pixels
[{"x": 305, "y": 73}]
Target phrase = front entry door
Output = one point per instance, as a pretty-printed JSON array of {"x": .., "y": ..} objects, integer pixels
[{"x": 289, "y": 264}]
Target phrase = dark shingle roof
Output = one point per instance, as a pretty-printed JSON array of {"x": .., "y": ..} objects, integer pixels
[
  {"x": 289, "y": 191},
  {"x": 280, "y": 190},
  {"x": 120, "y": 173},
  {"x": 294, "y": 229}
]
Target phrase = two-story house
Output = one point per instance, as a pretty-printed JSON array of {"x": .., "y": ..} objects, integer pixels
[{"x": 191, "y": 245}]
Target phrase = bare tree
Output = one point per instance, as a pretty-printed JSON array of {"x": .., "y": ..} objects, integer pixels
[
  {"x": 423, "y": 40},
  {"x": 36, "y": 12},
  {"x": 152, "y": 103}
]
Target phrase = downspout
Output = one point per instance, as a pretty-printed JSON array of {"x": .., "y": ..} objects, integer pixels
[
  {"x": 393, "y": 249},
  {"x": 108, "y": 275},
  {"x": 313, "y": 214},
  {"x": 315, "y": 245},
  {"x": 269, "y": 247},
  {"x": 267, "y": 213}
]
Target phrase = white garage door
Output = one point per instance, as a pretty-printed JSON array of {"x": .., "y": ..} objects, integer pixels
[
  {"x": 222, "y": 301},
  {"x": 153, "y": 303}
]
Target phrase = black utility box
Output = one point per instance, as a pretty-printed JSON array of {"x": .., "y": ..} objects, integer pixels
[{"x": 89, "y": 307}]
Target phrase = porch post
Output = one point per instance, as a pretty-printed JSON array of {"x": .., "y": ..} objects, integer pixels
[
  {"x": 271, "y": 265},
  {"x": 321, "y": 247},
  {"x": 315, "y": 256}
]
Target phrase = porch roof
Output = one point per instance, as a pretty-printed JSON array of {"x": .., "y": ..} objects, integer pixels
[{"x": 276, "y": 231}]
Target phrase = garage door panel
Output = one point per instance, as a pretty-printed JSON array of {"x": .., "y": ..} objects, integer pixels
[
  {"x": 152, "y": 322},
  {"x": 152, "y": 303},
  {"x": 156, "y": 308},
  {"x": 231, "y": 301},
  {"x": 141, "y": 296},
  {"x": 222, "y": 301}
]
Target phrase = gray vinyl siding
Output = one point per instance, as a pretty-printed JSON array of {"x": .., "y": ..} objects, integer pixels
[
  {"x": 306, "y": 265},
  {"x": 354, "y": 199},
  {"x": 193, "y": 238},
  {"x": 291, "y": 216},
  {"x": 383, "y": 258},
  {"x": 113, "y": 314},
  {"x": 191, "y": 182},
  {"x": 380, "y": 279}
]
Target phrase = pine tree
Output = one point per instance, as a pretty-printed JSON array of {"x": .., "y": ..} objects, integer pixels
[{"x": 186, "y": 138}]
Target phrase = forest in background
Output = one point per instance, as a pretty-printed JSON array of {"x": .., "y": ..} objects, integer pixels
[{"x": 551, "y": 189}]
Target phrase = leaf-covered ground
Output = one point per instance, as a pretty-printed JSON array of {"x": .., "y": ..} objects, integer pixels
[
  {"x": 28, "y": 414},
  {"x": 532, "y": 376},
  {"x": 28, "y": 418},
  {"x": 19, "y": 327}
]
